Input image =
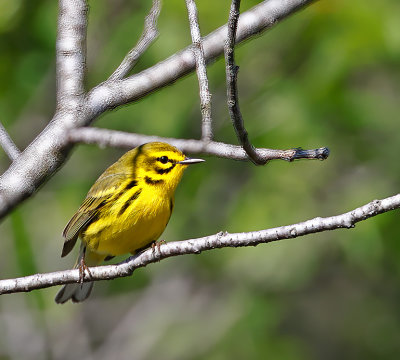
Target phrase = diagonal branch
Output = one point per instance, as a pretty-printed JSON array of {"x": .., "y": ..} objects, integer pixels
[
  {"x": 196, "y": 246},
  {"x": 231, "y": 83},
  {"x": 198, "y": 51},
  {"x": 150, "y": 33},
  {"x": 8, "y": 144},
  {"x": 106, "y": 137},
  {"x": 261, "y": 17}
]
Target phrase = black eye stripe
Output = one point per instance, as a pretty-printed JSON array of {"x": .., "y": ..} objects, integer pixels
[
  {"x": 151, "y": 181},
  {"x": 164, "y": 171}
]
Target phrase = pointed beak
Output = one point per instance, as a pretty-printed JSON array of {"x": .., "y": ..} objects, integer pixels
[{"x": 189, "y": 161}]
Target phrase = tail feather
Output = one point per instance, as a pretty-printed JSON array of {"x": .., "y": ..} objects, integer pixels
[{"x": 75, "y": 292}]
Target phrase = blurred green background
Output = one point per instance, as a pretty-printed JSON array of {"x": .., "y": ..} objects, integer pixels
[{"x": 328, "y": 76}]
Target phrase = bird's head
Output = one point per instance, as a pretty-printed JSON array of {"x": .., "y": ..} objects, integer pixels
[{"x": 158, "y": 164}]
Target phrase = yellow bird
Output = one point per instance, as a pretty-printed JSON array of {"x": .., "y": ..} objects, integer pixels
[{"x": 125, "y": 211}]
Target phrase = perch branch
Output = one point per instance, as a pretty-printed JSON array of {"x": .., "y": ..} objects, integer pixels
[
  {"x": 113, "y": 138},
  {"x": 231, "y": 84},
  {"x": 150, "y": 33},
  {"x": 7, "y": 144},
  {"x": 196, "y": 246},
  {"x": 198, "y": 51}
]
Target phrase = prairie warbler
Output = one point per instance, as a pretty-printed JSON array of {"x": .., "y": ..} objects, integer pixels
[{"x": 125, "y": 211}]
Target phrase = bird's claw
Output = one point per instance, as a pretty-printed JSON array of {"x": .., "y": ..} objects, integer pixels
[
  {"x": 82, "y": 268},
  {"x": 157, "y": 244}
]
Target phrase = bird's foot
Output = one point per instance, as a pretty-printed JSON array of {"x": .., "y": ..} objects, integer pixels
[
  {"x": 82, "y": 268},
  {"x": 157, "y": 244}
]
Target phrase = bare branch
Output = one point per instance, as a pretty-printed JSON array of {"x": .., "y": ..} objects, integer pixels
[
  {"x": 196, "y": 246},
  {"x": 71, "y": 53},
  {"x": 231, "y": 84},
  {"x": 198, "y": 51},
  {"x": 110, "y": 95},
  {"x": 113, "y": 138},
  {"x": 7, "y": 144},
  {"x": 150, "y": 33}
]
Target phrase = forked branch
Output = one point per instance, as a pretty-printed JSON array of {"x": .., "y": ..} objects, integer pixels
[{"x": 109, "y": 95}]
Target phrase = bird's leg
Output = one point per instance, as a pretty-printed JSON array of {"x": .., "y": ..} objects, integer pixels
[
  {"x": 157, "y": 244},
  {"x": 82, "y": 267}
]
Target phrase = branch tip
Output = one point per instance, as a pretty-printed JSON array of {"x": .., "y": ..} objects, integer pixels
[{"x": 150, "y": 33}]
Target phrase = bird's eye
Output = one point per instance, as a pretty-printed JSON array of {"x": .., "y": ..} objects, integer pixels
[{"x": 163, "y": 159}]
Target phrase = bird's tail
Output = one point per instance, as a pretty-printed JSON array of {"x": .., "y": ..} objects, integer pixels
[{"x": 78, "y": 292}]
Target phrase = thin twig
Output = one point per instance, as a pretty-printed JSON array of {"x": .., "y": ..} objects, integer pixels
[
  {"x": 196, "y": 246},
  {"x": 231, "y": 83},
  {"x": 198, "y": 51},
  {"x": 150, "y": 33},
  {"x": 113, "y": 138},
  {"x": 8, "y": 144}
]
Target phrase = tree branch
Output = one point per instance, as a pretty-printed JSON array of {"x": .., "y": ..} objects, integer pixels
[
  {"x": 7, "y": 144},
  {"x": 150, "y": 33},
  {"x": 198, "y": 51},
  {"x": 231, "y": 84},
  {"x": 196, "y": 246},
  {"x": 113, "y": 138},
  {"x": 71, "y": 53}
]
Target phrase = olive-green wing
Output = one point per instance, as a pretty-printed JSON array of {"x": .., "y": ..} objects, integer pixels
[{"x": 98, "y": 196}]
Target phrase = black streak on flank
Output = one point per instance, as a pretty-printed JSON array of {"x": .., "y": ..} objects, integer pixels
[
  {"x": 171, "y": 205},
  {"x": 151, "y": 181},
  {"x": 129, "y": 202},
  {"x": 128, "y": 186},
  {"x": 131, "y": 184},
  {"x": 165, "y": 171}
]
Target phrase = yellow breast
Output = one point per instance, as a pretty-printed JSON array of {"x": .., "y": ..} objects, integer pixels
[{"x": 133, "y": 221}]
